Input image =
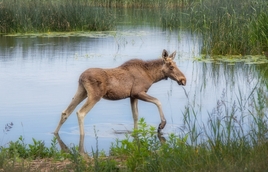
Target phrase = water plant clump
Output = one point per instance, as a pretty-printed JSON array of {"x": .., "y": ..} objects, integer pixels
[{"x": 46, "y": 16}]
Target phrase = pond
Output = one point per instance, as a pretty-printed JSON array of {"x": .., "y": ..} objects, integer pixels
[{"x": 39, "y": 76}]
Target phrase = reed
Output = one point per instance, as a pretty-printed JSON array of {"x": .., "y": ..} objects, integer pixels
[
  {"x": 46, "y": 16},
  {"x": 226, "y": 27},
  {"x": 141, "y": 3}
]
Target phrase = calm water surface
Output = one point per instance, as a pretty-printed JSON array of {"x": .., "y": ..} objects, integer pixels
[{"x": 39, "y": 77}]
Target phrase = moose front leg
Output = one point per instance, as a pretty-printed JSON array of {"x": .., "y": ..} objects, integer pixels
[
  {"x": 134, "y": 109},
  {"x": 145, "y": 97}
]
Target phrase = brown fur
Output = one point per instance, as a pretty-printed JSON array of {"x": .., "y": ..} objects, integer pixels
[{"x": 132, "y": 79}]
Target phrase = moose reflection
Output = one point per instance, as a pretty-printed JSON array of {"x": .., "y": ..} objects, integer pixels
[
  {"x": 66, "y": 149},
  {"x": 130, "y": 80}
]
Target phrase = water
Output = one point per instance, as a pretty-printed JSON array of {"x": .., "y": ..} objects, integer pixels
[{"x": 39, "y": 77}]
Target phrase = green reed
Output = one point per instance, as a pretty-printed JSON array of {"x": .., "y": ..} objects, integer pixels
[
  {"x": 141, "y": 3},
  {"x": 226, "y": 26},
  {"x": 45, "y": 16}
]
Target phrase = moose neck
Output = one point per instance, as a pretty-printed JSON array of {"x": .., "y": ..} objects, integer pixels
[{"x": 154, "y": 69}]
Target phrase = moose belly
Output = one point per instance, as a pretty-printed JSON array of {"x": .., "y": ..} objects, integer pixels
[{"x": 115, "y": 95}]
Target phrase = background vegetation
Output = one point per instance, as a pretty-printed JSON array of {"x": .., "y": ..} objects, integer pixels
[
  {"x": 227, "y": 27},
  {"x": 46, "y": 16}
]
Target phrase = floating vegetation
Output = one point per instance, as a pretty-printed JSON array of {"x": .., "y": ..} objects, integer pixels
[
  {"x": 91, "y": 34},
  {"x": 233, "y": 59}
]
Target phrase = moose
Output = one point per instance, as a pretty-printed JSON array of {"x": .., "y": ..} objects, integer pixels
[{"x": 130, "y": 80}]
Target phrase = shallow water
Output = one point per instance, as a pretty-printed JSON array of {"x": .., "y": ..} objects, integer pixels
[{"x": 39, "y": 78}]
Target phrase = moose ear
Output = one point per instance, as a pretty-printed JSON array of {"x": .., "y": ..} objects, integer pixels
[
  {"x": 164, "y": 54},
  {"x": 172, "y": 56}
]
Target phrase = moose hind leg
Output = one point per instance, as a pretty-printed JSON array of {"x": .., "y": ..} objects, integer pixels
[
  {"x": 81, "y": 113},
  {"x": 80, "y": 95}
]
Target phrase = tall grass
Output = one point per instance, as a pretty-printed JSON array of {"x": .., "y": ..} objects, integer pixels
[
  {"x": 227, "y": 27},
  {"x": 45, "y": 16},
  {"x": 141, "y": 3}
]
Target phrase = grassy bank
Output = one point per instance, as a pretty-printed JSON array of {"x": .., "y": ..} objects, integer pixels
[
  {"x": 147, "y": 153},
  {"x": 45, "y": 16}
]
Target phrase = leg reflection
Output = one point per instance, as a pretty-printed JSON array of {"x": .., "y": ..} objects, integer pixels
[
  {"x": 161, "y": 138},
  {"x": 63, "y": 147},
  {"x": 81, "y": 144},
  {"x": 66, "y": 149}
]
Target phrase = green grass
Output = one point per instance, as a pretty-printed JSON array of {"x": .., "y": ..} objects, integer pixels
[
  {"x": 141, "y": 3},
  {"x": 226, "y": 27},
  {"x": 19, "y": 16}
]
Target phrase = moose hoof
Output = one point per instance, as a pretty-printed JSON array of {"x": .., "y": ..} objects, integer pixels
[
  {"x": 161, "y": 126},
  {"x": 159, "y": 129}
]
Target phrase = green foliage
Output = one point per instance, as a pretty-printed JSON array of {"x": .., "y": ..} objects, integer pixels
[
  {"x": 138, "y": 149},
  {"x": 259, "y": 32},
  {"x": 144, "y": 152},
  {"x": 79, "y": 163},
  {"x": 226, "y": 27},
  {"x": 19, "y": 149},
  {"x": 140, "y": 3},
  {"x": 46, "y": 16}
]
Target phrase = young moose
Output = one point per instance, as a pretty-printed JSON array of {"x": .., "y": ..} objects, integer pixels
[{"x": 132, "y": 79}]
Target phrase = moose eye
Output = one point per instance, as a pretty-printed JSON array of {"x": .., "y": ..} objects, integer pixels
[{"x": 171, "y": 67}]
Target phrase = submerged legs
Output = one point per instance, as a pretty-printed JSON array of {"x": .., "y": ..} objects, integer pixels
[{"x": 80, "y": 95}]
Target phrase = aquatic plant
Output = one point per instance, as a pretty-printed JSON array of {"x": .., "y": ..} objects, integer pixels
[
  {"x": 46, "y": 16},
  {"x": 226, "y": 27},
  {"x": 141, "y": 3}
]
